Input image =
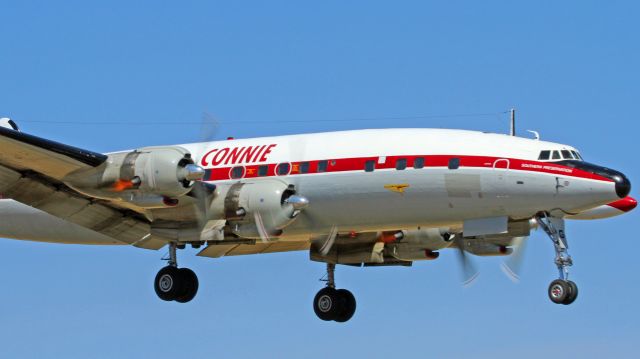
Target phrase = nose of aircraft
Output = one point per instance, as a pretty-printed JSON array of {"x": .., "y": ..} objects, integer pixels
[
  {"x": 623, "y": 185},
  {"x": 625, "y": 205}
]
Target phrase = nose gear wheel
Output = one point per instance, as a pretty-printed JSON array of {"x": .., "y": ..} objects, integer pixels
[{"x": 561, "y": 290}]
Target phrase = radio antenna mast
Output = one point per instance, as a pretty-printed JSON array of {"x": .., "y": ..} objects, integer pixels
[{"x": 512, "y": 131}]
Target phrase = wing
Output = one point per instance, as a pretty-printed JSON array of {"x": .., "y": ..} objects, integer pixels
[
  {"x": 31, "y": 169},
  {"x": 24, "y": 152}
]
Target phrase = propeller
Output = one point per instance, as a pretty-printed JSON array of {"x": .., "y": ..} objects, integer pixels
[
  {"x": 469, "y": 271},
  {"x": 327, "y": 244},
  {"x": 512, "y": 265},
  {"x": 202, "y": 191},
  {"x": 262, "y": 232},
  {"x": 202, "y": 194}
]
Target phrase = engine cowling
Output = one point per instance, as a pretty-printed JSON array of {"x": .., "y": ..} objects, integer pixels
[
  {"x": 256, "y": 209},
  {"x": 418, "y": 244},
  {"x": 484, "y": 249},
  {"x": 430, "y": 238},
  {"x": 149, "y": 177}
]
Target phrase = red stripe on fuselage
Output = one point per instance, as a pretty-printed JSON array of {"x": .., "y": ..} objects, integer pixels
[{"x": 430, "y": 161}]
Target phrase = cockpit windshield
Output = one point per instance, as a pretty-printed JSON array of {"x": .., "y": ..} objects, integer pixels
[{"x": 554, "y": 155}]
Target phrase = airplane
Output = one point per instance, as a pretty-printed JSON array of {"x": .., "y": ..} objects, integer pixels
[{"x": 376, "y": 197}]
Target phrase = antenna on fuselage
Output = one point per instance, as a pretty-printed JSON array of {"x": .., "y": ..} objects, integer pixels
[{"x": 512, "y": 131}]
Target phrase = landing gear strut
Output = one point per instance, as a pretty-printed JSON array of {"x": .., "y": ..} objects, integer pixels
[
  {"x": 562, "y": 290},
  {"x": 173, "y": 283},
  {"x": 334, "y": 304}
]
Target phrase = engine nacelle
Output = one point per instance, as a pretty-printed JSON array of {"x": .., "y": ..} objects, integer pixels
[
  {"x": 257, "y": 209},
  {"x": 407, "y": 252},
  {"x": 149, "y": 177},
  {"x": 417, "y": 244},
  {"x": 430, "y": 238},
  {"x": 481, "y": 248}
]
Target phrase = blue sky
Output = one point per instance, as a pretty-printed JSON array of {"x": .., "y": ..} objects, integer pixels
[{"x": 570, "y": 68}]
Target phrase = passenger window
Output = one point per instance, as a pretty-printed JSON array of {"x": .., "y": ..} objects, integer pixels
[
  {"x": 262, "y": 170},
  {"x": 304, "y": 167},
  {"x": 237, "y": 172},
  {"x": 544, "y": 155},
  {"x": 567, "y": 155},
  {"x": 454, "y": 163},
  {"x": 401, "y": 163},
  {"x": 556, "y": 155},
  {"x": 322, "y": 166},
  {"x": 369, "y": 166},
  {"x": 418, "y": 163},
  {"x": 283, "y": 169}
]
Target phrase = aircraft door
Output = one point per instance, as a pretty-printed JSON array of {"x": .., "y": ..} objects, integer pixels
[{"x": 501, "y": 172}]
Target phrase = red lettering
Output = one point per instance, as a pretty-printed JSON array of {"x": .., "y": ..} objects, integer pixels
[
  {"x": 204, "y": 158},
  {"x": 217, "y": 159},
  {"x": 233, "y": 155},
  {"x": 266, "y": 152},
  {"x": 258, "y": 153},
  {"x": 248, "y": 153}
]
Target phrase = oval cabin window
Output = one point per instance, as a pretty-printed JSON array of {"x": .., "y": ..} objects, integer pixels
[
  {"x": 237, "y": 172},
  {"x": 283, "y": 169}
]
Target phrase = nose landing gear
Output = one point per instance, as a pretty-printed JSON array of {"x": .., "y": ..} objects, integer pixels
[
  {"x": 334, "y": 304},
  {"x": 173, "y": 283},
  {"x": 562, "y": 290}
]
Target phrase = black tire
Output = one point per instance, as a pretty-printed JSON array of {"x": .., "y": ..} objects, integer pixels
[
  {"x": 348, "y": 305},
  {"x": 190, "y": 286},
  {"x": 327, "y": 304},
  {"x": 559, "y": 290},
  {"x": 168, "y": 283},
  {"x": 573, "y": 293}
]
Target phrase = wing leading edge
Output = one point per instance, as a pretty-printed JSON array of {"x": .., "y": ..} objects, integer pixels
[{"x": 21, "y": 151}]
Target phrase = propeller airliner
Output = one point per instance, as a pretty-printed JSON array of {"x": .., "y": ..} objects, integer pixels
[{"x": 383, "y": 197}]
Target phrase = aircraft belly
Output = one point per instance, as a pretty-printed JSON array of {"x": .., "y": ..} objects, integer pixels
[
  {"x": 365, "y": 201},
  {"x": 19, "y": 221},
  {"x": 362, "y": 201}
]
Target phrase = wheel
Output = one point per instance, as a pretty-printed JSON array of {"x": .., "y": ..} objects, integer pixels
[
  {"x": 573, "y": 293},
  {"x": 348, "y": 305},
  {"x": 559, "y": 290},
  {"x": 326, "y": 304},
  {"x": 168, "y": 283},
  {"x": 190, "y": 286}
]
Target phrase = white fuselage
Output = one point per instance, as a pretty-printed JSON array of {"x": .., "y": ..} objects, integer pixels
[{"x": 463, "y": 175}]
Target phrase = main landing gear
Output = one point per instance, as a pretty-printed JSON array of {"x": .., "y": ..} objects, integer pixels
[
  {"x": 173, "y": 283},
  {"x": 562, "y": 290},
  {"x": 334, "y": 304}
]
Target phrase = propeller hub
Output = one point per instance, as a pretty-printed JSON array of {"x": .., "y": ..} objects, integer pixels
[
  {"x": 193, "y": 172},
  {"x": 298, "y": 202}
]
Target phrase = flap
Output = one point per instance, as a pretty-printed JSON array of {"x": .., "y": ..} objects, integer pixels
[{"x": 220, "y": 250}]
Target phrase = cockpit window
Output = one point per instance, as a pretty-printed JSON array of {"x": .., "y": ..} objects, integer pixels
[
  {"x": 544, "y": 155},
  {"x": 566, "y": 154},
  {"x": 556, "y": 155},
  {"x": 576, "y": 155}
]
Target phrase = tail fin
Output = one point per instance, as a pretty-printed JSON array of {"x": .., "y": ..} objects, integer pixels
[{"x": 8, "y": 123}]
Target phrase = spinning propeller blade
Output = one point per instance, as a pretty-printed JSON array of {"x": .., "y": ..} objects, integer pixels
[
  {"x": 512, "y": 265},
  {"x": 202, "y": 191},
  {"x": 329, "y": 241},
  {"x": 264, "y": 236},
  {"x": 469, "y": 271}
]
